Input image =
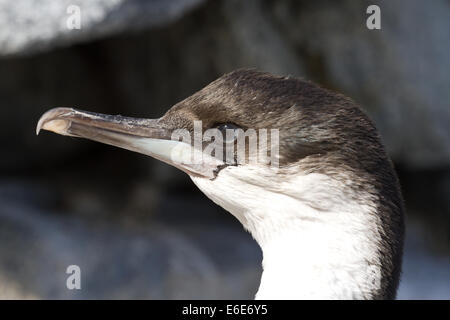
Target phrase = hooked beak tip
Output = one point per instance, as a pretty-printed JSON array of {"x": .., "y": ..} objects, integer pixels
[{"x": 51, "y": 121}]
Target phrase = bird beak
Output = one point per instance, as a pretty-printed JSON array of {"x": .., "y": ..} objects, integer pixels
[{"x": 146, "y": 136}]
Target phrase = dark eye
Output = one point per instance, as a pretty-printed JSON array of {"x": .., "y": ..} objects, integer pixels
[{"x": 229, "y": 131}]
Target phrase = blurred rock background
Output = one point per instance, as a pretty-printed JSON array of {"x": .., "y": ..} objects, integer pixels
[{"x": 140, "y": 229}]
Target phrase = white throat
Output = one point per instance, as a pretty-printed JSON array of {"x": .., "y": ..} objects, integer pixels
[{"x": 318, "y": 242}]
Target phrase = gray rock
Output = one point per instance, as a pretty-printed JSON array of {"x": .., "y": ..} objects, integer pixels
[
  {"x": 400, "y": 73},
  {"x": 28, "y": 26},
  {"x": 260, "y": 43},
  {"x": 425, "y": 270},
  {"x": 149, "y": 260}
]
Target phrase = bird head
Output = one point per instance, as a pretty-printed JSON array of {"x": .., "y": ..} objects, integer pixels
[
  {"x": 276, "y": 152},
  {"x": 264, "y": 130}
]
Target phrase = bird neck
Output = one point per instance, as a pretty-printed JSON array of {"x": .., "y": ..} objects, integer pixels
[
  {"x": 316, "y": 261},
  {"x": 325, "y": 252},
  {"x": 318, "y": 240}
]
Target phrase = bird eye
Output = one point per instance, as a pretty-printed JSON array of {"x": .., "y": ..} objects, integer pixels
[{"x": 229, "y": 131}]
